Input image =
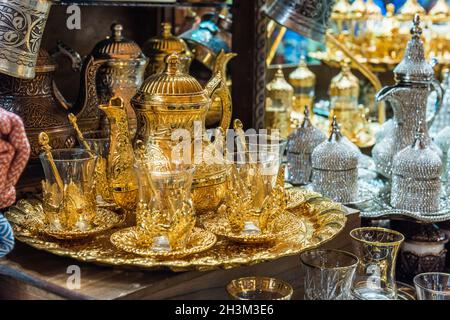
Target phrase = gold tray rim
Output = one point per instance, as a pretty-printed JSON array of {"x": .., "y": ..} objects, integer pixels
[{"x": 317, "y": 238}]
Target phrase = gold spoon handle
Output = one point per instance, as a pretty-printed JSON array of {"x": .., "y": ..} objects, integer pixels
[
  {"x": 44, "y": 141},
  {"x": 73, "y": 121}
]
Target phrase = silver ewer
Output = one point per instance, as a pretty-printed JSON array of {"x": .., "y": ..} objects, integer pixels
[
  {"x": 335, "y": 167},
  {"x": 408, "y": 97},
  {"x": 300, "y": 146}
]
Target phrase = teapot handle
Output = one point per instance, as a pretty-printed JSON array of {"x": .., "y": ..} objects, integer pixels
[
  {"x": 62, "y": 49},
  {"x": 439, "y": 100}
]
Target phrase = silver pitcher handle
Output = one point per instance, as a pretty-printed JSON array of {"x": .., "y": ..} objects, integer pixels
[{"x": 439, "y": 100}]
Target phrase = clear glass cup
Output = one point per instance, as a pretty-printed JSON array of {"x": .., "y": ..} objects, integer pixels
[
  {"x": 99, "y": 142},
  {"x": 377, "y": 249},
  {"x": 70, "y": 206},
  {"x": 432, "y": 286},
  {"x": 165, "y": 213},
  {"x": 267, "y": 143},
  {"x": 328, "y": 274},
  {"x": 259, "y": 288}
]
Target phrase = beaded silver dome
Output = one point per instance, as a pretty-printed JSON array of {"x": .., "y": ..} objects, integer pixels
[
  {"x": 416, "y": 174},
  {"x": 300, "y": 146},
  {"x": 334, "y": 163},
  {"x": 414, "y": 67}
]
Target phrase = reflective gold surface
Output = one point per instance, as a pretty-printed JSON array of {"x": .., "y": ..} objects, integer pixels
[
  {"x": 159, "y": 47},
  {"x": 279, "y": 95},
  {"x": 29, "y": 214},
  {"x": 163, "y": 108},
  {"x": 319, "y": 227},
  {"x": 133, "y": 240},
  {"x": 280, "y": 227},
  {"x": 122, "y": 179},
  {"x": 259, "y": 288}
]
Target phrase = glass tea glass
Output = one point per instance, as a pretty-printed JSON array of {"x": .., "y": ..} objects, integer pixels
[
  {"x": 328, "y": 274},
  {"x": 259, "y": 288},
  {"x": 98, "y": 141},
  {"x": 69, "y": 205},
  {"x": 165, "y": 212},
  {"x": 377, "y": 249},
  {"x": 267, "y": 143},
  {"x": 432, "y": 286}
]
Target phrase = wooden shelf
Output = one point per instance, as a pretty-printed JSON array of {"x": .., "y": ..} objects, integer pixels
[{"x": 141, "y": 3}]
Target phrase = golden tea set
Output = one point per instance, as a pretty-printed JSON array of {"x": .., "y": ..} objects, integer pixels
[{"x": 137, "y": 187}]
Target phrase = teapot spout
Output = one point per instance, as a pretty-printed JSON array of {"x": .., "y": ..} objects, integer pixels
[
  {"x": 385, "y": 93},
  {"x": 219, "y": 72},
  {"x": 217, "y": 87}
]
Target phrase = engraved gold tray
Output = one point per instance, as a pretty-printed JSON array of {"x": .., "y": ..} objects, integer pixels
[{"x": 321, "y": 220}]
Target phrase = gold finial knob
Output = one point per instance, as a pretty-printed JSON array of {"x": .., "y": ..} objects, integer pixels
[
  {"x": 172, "y": 63},
  {"x": 166, "y": 28},
  {"x": 44, "y": 142},
  {"x": 335, "y": 130},
  {"x": 390, "y": 9},
  {"x": 416, "y": 30},
  {"x": 117, "y": 29}
]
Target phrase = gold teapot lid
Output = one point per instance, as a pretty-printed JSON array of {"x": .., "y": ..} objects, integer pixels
[
  {"x": 302, "y": 76},
  {"x": 341, "y": 10},
  {"x": 358, "y": 10},
  {"x": 116, "y": 46},
  {"x": 345, "y": 84},
  {"x": 165, "y": 43},
  {"x": 440, "y": 12},
  {"x": 409, "y": 9},
  {"x": 278, "y": 82},
  {"x": 172, "y": 86}
]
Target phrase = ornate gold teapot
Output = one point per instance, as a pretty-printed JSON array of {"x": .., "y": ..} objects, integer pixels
[
  {"x": 174, "y": 100},
  {"x": 41, "y": 106},
  {"x": 123, "y": 71}
]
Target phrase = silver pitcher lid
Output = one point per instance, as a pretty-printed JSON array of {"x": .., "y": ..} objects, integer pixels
[
  {"x": 414, "y": 68},
  {"x": 336, "y": 153},
  {"x": 418, "y": 161},
  {"x": 306, "y": 137}
]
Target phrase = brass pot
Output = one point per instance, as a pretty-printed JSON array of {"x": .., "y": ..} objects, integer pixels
[
  {"x": 122, "y": 73},
  {"x": 175, "y": 100},
  {"x": 35, "y": 101},
  {"x": 159, "y": 47}
]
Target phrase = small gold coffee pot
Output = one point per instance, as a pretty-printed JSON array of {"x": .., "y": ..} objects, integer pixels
[
  {"x": 173, "y": 100},
  {"x": 303, "y": 80},
  {"x": 344, "y": 93},
  {"x": 278, "y": 103},
  {"x": 159, "y": 47},
  {"x": 123, "y": 71}
]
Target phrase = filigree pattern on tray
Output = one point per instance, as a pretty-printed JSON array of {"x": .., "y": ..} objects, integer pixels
[{"x": 319, "y": 226}]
